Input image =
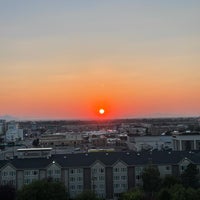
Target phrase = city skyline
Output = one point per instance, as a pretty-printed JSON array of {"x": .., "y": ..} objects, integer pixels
[{"x": 68, "y": 59}]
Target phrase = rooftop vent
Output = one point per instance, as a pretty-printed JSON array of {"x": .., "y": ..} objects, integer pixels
[
  {"x": 53, "y": 162},
  {"x": 127, "y": 153},
  {"x": 86, "y": 154},
  {"x": 169, "y": 152},
  {"x": 107, "y": 154}
]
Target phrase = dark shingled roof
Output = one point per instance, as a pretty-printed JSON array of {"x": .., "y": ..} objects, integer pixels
[{"x": 108, "y": 159}]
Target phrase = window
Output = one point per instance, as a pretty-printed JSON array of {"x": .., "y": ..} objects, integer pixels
[
  {"x": 116, "y": 185},
  {"x": 116, "y": 178},
  {"x": 94, "y": 170},
  {"x": 57, "y": 171},
  {"x": 79, "y": 171},
  {"x": 12, "y": 173},
  {"x": 27, "y": 181},
  {"x": 123, "y": 186},
  {"x": 167, "y": 167},
  {"x": 116, "y": 169},
  {"x": 101, "y": 178},
  {"x": 101, "y": 186},
  {"x": 79, "y": 187},
  {"x": 72, "y": 187},
  {"x": 94, "y": 178},
  {"x": 5, "y": 173},
  {"x": 49, "y": 172},
  {"x": 138, "y": 177},
  {"x": 123, "y": 169},
  {"x": 182, "y": 168},
  {"x": 72, "y": 179},
  {"x": 27, "y": 173},
  {"x": 101, "y": 170},
  {"x": 138, "y": 170},
  {"x": 123, "y": 177},
  {"x": 71, "y": 171},
  {"x": 94, "y": 186},
  {"x": 34, "y": 172},
  {"x": 79, "y": 178}
]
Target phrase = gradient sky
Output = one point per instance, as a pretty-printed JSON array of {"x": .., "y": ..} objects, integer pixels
[{"x": 65, "y": 59}]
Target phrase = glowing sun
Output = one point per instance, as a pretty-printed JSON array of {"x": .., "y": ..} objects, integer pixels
[{"x": 101, "y": 111}]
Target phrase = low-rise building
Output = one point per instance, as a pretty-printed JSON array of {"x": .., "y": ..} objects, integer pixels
[
  {"x": 186, "y": 142},
  {"x": 140, "y": 143},
  {"x": 61, "y": 139}
]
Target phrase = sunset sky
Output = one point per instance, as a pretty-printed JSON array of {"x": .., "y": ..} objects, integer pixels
[{"x": 66, "y": 59}]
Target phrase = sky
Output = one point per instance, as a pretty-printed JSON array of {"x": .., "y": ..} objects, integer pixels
[{"x": 67, "y": 59}]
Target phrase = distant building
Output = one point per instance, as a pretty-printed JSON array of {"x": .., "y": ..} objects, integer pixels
[
  {"x": 13, "y": 133},
  {"x": 34, "y": 126},
  {"x": 186, "y": 142},
  {"x": 59, "y": 139},
  {"x": 2, "y": 126},
  {"x": 140, "y": 143}
]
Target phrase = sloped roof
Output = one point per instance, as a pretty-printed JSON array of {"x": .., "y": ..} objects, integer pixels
[{"x": 108, "y": 159}]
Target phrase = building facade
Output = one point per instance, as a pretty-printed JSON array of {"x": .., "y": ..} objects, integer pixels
[
  {"x": 186, "y": 142},
  {"x": 107, "y": 174},
  {"x": 2, "y": 126},
  {"x": 14, "y": 133},
  {"x": 141, "y": 143}
]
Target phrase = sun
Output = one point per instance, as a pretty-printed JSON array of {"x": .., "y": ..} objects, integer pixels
[{"x": 101, "y": 111}]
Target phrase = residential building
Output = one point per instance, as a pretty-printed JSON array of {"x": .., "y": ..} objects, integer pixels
[{"x": 107, "y": 174}]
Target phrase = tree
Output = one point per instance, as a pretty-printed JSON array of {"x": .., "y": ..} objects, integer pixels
[
  {"x": 189, "y": 177},
  {"x": 7, "y": 192},
  {"x": 151, "y": 180},
  {"x": 198, "y": 193},
  {"x": 36, "y": 142},
  {"x": 169, "y": 181},
  {"x": 87, "y": 195},
  {"x": 42, "y": 190},
  {"x": 164, "y": 194},
  {"x": 135, "y": 194},
  {"x": 178, "y": 192},
  {"x": 191, "y": 194}
]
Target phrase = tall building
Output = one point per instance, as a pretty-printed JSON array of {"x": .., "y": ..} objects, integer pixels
[{"x": 13, "y": 133}]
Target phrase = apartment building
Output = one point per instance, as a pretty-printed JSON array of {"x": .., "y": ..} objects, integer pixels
[{"x": 107, "y": 174}]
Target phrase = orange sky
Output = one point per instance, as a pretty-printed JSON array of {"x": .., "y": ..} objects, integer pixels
[{"x": 132, "y": 59}]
